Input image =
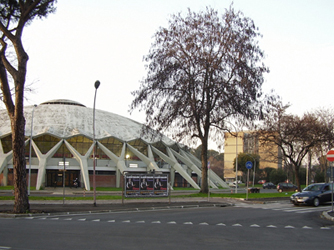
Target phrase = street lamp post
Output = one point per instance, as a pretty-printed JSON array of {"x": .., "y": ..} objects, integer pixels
[
  {"x": 32, "y": 121},
  {"x": 236, "y": 162},
  {"x": 96, "y": 85}
]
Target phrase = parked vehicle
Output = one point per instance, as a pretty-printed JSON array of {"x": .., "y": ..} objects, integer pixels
[
  {"x": 232, "y": 184},
  {"x": 261, "y": 181},
  {"x": 269, "y": 185},
  {"x": 283, "y": 186},
  {"x": 315, "y": 194}
]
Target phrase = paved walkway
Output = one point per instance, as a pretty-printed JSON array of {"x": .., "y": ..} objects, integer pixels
[{"x": 81, "y": 206}]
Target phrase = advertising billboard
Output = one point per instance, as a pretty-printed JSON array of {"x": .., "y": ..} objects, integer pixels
[{"x": 145, "y": 185}]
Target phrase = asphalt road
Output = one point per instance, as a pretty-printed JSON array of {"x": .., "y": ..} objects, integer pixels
[{"x": 244, "y": 226}]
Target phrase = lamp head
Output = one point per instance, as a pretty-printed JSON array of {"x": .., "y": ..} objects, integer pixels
[{"x": 97, "y": 84}]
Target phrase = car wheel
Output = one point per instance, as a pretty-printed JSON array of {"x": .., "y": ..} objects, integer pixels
[
  {"x": 316, "y": 202},
  {"x": 280, "y": 190}
]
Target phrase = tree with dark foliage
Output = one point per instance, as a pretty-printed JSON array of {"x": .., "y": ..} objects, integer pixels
[
  {"x": 201, "y": 70},
  {"x": 295, "y": 136},
  {"x": 14, "y": 16}
]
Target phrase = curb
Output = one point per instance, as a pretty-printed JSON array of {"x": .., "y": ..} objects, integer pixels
[
  {"x": 134, "y": 209},
  {"x": 327, "y": 216}
]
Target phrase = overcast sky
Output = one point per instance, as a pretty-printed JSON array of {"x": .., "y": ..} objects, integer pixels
[{"x": 105, "y": 40}]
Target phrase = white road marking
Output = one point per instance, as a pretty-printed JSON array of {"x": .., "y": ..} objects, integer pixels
[{"x": 204, "y": 224}]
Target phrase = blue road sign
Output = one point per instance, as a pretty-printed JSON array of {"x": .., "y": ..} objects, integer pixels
[{"x": 249, "y": 164}]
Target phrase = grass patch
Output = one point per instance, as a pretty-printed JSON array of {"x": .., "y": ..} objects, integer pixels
[
  {"x": 6, "y": 187},
  {"x": 118, "y": 197},
  {"x": 101, "y": 189},
  {"x": 12, "y": 188}
]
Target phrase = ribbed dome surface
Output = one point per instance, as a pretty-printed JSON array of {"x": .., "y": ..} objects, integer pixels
[{"x": 65, "y": 118}]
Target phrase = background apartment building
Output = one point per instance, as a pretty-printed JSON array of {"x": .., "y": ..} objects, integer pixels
[{"x": 246, "y": 142}]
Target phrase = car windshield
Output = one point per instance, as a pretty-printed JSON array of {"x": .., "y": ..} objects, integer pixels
[{"x": 313, "y": 188}]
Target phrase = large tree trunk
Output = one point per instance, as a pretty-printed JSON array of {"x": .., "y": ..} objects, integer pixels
[
  {"x": 297, "y": 177},
  {"x": 204, "y": 159},
  {"x": 21, "y": 204}
]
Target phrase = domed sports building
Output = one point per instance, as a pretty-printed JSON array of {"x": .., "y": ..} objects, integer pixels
[{"x": 62, "y": 149}]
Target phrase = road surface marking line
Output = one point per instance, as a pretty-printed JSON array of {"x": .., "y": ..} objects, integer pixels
[{"x": 204, "y": 223}]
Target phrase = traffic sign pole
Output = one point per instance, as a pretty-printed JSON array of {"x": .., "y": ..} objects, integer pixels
[
  {"x": 330, "y": 157},
  {"x": 249, "y": 165}
]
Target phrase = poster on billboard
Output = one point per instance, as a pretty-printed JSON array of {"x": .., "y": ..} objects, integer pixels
[
  {"x": 132, "y": 185},
  {"x": 141, "y": 185},
  {"x": 146, "y": 185},
  {"x": 160, "y": 185}
]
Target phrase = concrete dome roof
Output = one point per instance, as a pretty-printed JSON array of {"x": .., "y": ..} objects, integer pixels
[{"x": 65, "y": 118}]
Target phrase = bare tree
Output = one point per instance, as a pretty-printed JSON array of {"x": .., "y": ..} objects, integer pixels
[
  {"x": 326, "y": 117},
  {"x": 203, "y": 69},
  {"x": 14, "y": 16},
  {"x": 294, "y": 135}
]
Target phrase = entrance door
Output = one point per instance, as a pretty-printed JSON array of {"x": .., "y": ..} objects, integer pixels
[{"x": 55, "y": 178}]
